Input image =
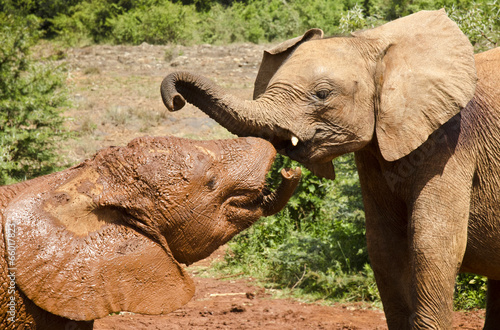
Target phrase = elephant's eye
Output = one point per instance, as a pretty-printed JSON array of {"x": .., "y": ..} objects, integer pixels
[
  {"x": 322, "y": 94},
  {"x": 212, "y": 183}
]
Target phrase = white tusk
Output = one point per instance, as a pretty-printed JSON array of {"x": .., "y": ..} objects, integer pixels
[{"x": 295, "y": 140}]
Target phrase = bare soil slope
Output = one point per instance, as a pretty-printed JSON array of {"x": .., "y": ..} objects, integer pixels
[{"x": 115, "y": 93}]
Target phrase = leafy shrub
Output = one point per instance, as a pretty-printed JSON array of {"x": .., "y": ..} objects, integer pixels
[
  {"x": 43, "y": 9},
  {"x": 319, "y": 266},
  {"x": 479, "y": 22},
  {"x": 160, "y": 24},
  {"x": 470, "y": 291},
  {"x": 306, "y": 205},
  {"x": 31, "y": 97},
  {"x": 316, "y": 244},
  {"x": 163, "y": 21},
  {"x": 86, "y": 20},
  {"x": 223, "y": 21},
  {"x": 266, "y": 21},
  {"x": 356, "y": 19}
]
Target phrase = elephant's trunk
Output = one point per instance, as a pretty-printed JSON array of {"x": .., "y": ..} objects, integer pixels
[
  {"x": 277, "y": 200},
  {"x": 240, "y": 117}
]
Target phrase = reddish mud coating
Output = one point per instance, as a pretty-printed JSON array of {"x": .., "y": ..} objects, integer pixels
[{"x": 109, "y": 234}]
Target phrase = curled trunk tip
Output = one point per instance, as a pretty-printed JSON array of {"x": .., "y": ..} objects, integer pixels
[
  {"x": 172, "y": 99},
  {"x": 240, "y": 117},
  {"x": 278, "y": 199}
]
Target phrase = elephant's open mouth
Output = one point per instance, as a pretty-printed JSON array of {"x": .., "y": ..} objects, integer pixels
[{"x": 300, "y": 151}]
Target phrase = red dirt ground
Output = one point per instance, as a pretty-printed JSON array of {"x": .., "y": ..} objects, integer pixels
[{"x": 239, "y": 304}]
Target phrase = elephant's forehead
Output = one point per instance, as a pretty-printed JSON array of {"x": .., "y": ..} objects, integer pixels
[
  {"x": 340, "y": 50},
  {"x": 313, "y": 59}
]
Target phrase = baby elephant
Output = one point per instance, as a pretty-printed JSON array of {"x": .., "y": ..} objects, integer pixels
[{"x": 109, "y": 235}]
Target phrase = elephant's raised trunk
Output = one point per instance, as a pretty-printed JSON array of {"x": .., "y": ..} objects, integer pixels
[
  {"x": 267, "y": 117},
  {"x": 240, "y": 117}
]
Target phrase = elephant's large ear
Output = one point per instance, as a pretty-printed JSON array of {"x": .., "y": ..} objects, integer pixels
[
  {"x": 273, "y": 58},
  {"x": 426, "y": 76},
  {"x": 81, "y": 262}
]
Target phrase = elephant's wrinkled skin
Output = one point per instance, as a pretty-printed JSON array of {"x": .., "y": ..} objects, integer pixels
[
  {"x": 108, "y": 235},
  {"x": 403, "y": 97}
]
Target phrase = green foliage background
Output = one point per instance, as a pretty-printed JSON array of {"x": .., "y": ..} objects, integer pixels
[
  {"x": 225, "y": 21},
  {"x": 31, "y": 101},
  {"x": 316, "y": 245}
]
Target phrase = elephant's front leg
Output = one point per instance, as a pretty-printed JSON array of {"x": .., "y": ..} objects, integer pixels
[
  {"x": 416, "y": 241},
  {"x": 437, "y": 240},
  {"x": 387, "y": 240},
  {"x": 388, "y": 249}
]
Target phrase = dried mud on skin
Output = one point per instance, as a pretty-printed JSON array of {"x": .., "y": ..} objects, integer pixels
[{"x": 112, "y": 80}]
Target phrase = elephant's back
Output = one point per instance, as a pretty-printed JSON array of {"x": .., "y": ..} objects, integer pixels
[
  {"x": 481, "y": 131},
  {"x": 488, "y": 71},
  {"x": 7, "y": 193}
]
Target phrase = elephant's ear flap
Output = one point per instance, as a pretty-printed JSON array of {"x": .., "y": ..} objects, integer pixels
[
  {"x": 81, "y": 263},
  {"x": 274, "y": 58},
  {"x": 426, "y": 75}
]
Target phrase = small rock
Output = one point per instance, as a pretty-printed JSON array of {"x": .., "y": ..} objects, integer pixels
[{"x": 237, "y": 309}]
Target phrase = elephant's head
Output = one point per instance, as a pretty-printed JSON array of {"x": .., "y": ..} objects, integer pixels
[
  {"x": 316, "y": 98},
  {"x": 108, "y": 235}
]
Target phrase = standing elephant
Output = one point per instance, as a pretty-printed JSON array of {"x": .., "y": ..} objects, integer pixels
[
  {"x": 109, "y": 235},
  {"x": 403, "y": 97}
]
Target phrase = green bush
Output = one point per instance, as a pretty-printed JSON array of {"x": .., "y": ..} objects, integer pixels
[
  {"x": 356, "y": 19},
  {"x": 470, "y": 291},
  {"x": 316, "y": 245},
  {"x": 223, "y": 21},
  {"x": 479, "y": 22},
  {"x": 163, "y": 21},
  {"x": 319, "y": 266},
  {"x": 160, "y": 24},
  {"x": 86, "y": 20},
  {"x": 31, "y": 97},
  {"x": 43, "y": 9}
]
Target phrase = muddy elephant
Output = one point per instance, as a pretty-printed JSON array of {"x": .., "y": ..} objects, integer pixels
[
  {"x": 109, "y": 235},
  {"x": 425, "y": 129}
]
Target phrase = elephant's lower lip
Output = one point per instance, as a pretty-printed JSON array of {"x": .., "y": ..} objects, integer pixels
[
  {"x": 251, "y": 198},
  {"x": 320, "y": 167},
  {"x": 297, "y": 153},
  {"x": 245, "y": 200}
]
